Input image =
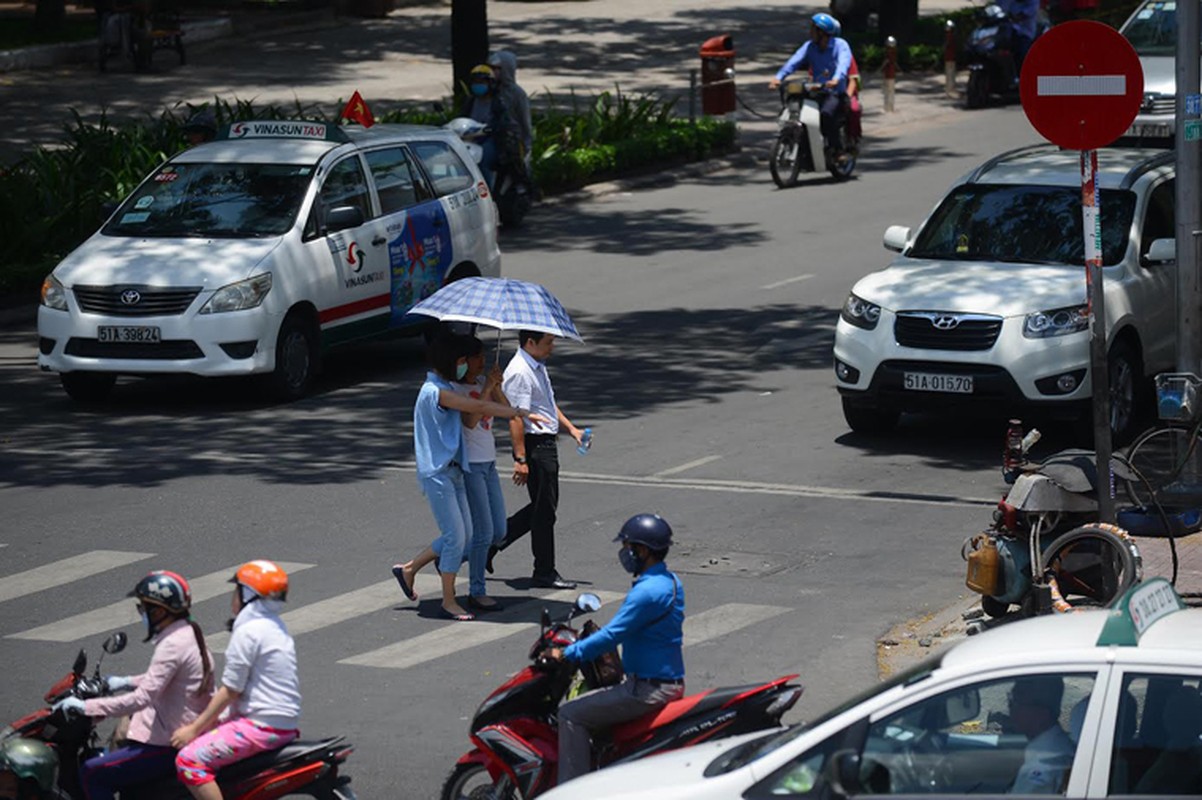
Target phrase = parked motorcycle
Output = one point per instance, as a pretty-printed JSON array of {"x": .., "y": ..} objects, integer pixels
[
  {"x": 512, "y": 190},
  {"x": 308, "y": 768},
  {"x": 800, "y": 146},
  {"x": 514, "y": 733},
  {"x": 990, "y": 58}
]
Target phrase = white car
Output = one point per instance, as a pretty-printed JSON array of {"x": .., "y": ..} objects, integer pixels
[
  {"x": 256, "y": 252},
  {"x": 1086, "y": 705},
  {"x": 1152, "y": 31},
  {"x": 985, "y": 305}
]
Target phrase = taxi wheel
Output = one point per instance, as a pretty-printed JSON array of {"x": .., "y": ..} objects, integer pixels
[
  {"x": 295, "y": 359},
  {"x": 88, "y": 387}
]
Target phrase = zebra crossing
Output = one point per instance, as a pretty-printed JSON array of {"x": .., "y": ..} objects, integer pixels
[{"x": 442, "y": 641}]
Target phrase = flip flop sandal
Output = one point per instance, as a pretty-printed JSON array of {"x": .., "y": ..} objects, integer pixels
[{"x": 399, "y": 573}]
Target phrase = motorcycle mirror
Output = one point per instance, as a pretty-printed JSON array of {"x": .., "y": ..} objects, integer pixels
[
  {"x": 546, "y": 619},
  {"x": 81, "y": 663},
  {"x": 115, "y": 643},
  {"x": 588, "y": 602}
]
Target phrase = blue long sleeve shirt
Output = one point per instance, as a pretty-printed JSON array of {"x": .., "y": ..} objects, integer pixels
[
  {"x": 651, "y": 639},
  {"x": 832, "y": 63},
  {"x": 1025, "y": 14}
]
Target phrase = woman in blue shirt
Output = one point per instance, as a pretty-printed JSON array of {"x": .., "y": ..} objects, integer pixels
[{"x": 441, "y": 454}]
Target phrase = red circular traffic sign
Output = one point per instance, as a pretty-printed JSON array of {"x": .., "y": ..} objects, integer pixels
[{"x": 1081, "y": 85}]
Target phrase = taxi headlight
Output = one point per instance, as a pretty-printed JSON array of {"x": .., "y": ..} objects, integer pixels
[
  {"x": 53, "y": 294},
  {"x": 859, "y": 312},
  {"x": 1057, "y": 322},
  {"x": 239, "y": 296}
]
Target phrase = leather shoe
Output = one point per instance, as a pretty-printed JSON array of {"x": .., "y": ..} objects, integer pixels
[{"x": 552, "y": 581}]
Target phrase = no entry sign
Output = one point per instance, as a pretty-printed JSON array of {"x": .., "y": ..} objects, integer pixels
[{"x": 1081, "y": 85}]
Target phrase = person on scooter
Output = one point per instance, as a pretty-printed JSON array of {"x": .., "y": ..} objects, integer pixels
[
  {"x": 259, "y": 682},
  {"x": 28, "y": 770},
  {"x": 515, "y": 100},
  {"x": 855, "y": 110},
  {"x": 485, "y": 105},
  {"x": 173, "y": 691},
  {"x": 649, "y": 626},
  {"x": 829, "y": 59},
  {"x": 1024, "y": 19}
]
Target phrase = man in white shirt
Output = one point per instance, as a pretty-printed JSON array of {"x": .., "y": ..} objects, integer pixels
[
  {"x": 1035, "y": 713},
  {"x": 535, "y": 455}
]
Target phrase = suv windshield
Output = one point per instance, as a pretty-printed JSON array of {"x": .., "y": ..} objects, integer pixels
[
  {"x": 1022, "y": 224},
  {"x": 214, "y": 200},
  {"x": 1153, "y": 29}
]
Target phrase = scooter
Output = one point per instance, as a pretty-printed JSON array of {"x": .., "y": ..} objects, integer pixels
[
  {"x": 309, "y": 768},
  {"x": 512, "y": 189},
  {"x": 514, "y": 734},
  {"x": 990, "y": 58},
  {"x": 800, "y": 146}
]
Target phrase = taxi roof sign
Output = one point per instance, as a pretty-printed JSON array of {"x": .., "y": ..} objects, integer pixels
[
  {"x": 283, "y": 129},
  {"x": 1136, "y": 611}
]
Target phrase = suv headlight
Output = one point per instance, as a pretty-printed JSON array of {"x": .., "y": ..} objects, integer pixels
[
  {"x": 53, "y": 294},
  {"x": 239, "y": 296},
  {"x": 1057, "y": 322},
  {"x": 860, "y": 313}
]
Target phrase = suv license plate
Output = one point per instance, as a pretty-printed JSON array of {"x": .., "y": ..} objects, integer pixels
[
  {"x": 931, "y": 382},
  {"x": 138, "y": 334}
]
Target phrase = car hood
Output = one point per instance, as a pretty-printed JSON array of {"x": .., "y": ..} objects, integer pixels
[
  {"x": 972, "y": 287},
  {"x": 208, "y": 263},
  {"x": 1160, "y": 74}
]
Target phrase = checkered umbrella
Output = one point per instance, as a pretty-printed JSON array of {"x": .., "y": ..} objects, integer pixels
[{"x": 502, "y": 303}]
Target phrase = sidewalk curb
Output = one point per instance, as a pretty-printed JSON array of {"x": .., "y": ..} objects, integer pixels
[{"x": 912, "y": 641}]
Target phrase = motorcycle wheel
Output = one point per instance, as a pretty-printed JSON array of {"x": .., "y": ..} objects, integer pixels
[
  {"x": 1092, "y": 565},
  {"x": 784, "y": 168},
  {"x": 472, "y": 782},
  {"x": 842, "y": 171},
  {"x": 994, "y": 608},
  {"x": 977, "y": 93},
  {"x": 513, "y": 207}
]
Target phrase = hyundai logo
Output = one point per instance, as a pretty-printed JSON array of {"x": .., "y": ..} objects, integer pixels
[
  {"x": 131, "y": 297},
  {"x": 945, "y": 322}
]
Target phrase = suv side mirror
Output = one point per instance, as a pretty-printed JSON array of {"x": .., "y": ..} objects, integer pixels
[
  {"x": 343, "y": 217},
  {"x": 1161, "y": 251},
  {"x": 896, "y": 238}
]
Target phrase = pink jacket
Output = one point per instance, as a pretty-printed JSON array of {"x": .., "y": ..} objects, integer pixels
[{"x": 167, "y": 695}]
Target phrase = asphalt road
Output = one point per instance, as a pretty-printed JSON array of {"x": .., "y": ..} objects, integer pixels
[{"x": 709, "y": 307}]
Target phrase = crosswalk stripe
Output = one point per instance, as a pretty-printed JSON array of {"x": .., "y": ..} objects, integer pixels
[
  {"x": 724, "y": 619},
  {"x": 65, "y": 571},
  {"x": 455, "y": 637},
  {"x": 120, "y": 614}
]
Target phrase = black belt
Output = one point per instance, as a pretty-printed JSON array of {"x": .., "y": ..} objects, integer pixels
[
  {"x": 661, "y": 681},
  {"x": 540, "y": 437}
]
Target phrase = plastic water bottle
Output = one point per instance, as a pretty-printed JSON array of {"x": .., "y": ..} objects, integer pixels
[{"x": 586, "y": 441}]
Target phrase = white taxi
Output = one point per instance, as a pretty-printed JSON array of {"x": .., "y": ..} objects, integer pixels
[
  {"x": 255, "y": 253},
  {"x": 1084, "y": 705}
]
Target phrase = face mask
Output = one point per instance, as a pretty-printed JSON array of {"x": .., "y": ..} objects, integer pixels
[
  {"x": 629, "y": 561},
  {"x": 460, "y": 371},
  {"x": 479, "y": 89}
]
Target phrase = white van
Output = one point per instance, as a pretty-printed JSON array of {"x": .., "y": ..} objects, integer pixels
[{"x": 256, "y": 252}]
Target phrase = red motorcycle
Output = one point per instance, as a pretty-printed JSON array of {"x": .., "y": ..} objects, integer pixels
[
  {"x": 515, "y": 737},
  {"x": 300, "y": 768}
]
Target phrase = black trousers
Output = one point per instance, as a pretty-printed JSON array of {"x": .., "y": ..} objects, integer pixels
[
  {"x": 538, "y": 516},
  {"x": 833, "y": 110}
]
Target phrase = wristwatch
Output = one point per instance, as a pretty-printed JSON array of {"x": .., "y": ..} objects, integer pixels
[{"x": 519, "y": 459}]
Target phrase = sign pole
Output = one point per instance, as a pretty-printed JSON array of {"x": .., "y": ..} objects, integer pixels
[
  {"x": 1189, "y": 203},
  {"x": 1096, "y": 303}
]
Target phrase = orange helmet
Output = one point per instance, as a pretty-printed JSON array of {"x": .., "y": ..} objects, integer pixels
[{"x": 264, "y": 578}]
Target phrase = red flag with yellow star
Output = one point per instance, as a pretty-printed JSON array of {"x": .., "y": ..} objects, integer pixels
[{"x": 357, "y": 111}]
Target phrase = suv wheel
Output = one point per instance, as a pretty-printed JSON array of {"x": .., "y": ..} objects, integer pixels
[
  {"x": 869, "y": 419},
  {"x": 1126, "y": 375},
  {"x": 88, "y": 387}
]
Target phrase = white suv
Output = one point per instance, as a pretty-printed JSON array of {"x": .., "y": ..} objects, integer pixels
[
  {"x": 986, "y": 303},
  {"x": 256, "y": 252}
]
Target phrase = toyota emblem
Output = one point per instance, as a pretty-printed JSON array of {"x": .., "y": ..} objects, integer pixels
[
  {"x": 131, "y": 297},
  {"x": 946, "y": 322}
]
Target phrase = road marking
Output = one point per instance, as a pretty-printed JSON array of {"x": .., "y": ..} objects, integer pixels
[
  {"x": 457, "y": 636},
  {"x": 118, "y": 615},
  {"x": 66, "y": 571},
  {"x": 786, "y": 282},
  {"x": 1081, "y": 85},
  {"x": 686, "y": 466},
  {"x": 724, "y": 619}
]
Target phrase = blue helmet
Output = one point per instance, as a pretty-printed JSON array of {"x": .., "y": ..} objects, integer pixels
[
  {"x": 650, "y": 530},
  {"x": 826, "y": 23}
]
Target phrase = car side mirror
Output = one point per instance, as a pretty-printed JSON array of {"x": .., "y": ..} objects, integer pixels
[
  {"x": 1161, "y": 251},
  {"x": 896, "y": 238},
  {"x": 343, "y": 217},
  {"x": 842, "y": 774}
]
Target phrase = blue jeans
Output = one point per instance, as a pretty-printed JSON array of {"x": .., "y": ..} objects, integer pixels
[
  {"x": 487, "y": 503},
  {"x": 102, "y": 777},
  {"x": 447, "y": 495}
]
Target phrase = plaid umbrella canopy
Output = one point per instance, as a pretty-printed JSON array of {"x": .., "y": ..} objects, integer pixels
[{"x": 502, "y": 303}]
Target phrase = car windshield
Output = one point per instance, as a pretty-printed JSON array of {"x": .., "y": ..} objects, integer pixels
[
  {"x": 745, "y": 753},
  {"x": 1153, "y": 29},
  {"x": 1022, "y": 224},
  {"x": 236, "y": 201}
]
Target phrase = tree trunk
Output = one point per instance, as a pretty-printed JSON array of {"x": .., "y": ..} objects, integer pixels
[
  {"x": 49, "y": 16},
  {"x": 897, "y": 18},
  {"x": 469, "y": 40}
]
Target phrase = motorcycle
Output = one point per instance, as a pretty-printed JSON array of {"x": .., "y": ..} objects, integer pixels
[
  {"x": 512, "y": 189},
  {"x": 993, "y": 69},
  {"x": 308, "y": 768},
  {"x": 514, "y": 734},
  {"x": 800, "y": 145}
]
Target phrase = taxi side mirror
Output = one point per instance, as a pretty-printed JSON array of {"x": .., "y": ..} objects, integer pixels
[
  {"x": 842, "y": 774},
  {"x": 896, "y": 238},
  {"x": 343, "y": 217}
]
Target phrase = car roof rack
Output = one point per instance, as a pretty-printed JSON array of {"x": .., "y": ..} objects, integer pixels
[{"x": 1006, "y": 156}]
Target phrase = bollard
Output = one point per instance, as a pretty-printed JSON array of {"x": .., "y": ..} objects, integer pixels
[
  {"x": 890, "y": 73},
  {"x": 949, "y": 59},
  {"x": 693, "y": 95}
]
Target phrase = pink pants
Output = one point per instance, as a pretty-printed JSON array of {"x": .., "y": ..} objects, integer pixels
[{"x": 226, "y": 744}]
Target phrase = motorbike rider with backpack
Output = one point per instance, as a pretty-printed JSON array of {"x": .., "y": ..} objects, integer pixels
[
  {"x": 649, "y": 626},
  {"x": 28, "y": 770},
  {"x": 829, "y": 59},
  {"x": 172, "y": 692}
]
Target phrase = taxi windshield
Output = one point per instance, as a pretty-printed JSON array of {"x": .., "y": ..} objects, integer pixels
[
  {"x": 1153, "y": 29},
  {"x": 1022, "y": 224},
  {"x": 236, "y": 201}
]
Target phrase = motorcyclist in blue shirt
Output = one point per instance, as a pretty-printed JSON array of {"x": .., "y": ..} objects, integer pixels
[
  {"x": 1024, "y": 19},
  {"x": 649, "y": 626},
  {"x": 829, "y": 58}
]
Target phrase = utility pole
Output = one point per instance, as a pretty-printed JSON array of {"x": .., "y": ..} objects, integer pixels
[{"x": 1189, "y": 199}]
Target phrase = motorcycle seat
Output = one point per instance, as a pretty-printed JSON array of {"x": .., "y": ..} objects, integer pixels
[
  {"x": 709, "y": 700},
  {"x": 1076, "y": 470},
  {"x": 293, "y": 751}
]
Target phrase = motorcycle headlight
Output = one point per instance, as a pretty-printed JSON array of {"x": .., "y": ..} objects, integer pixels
[
  {"x": 239, "y": 296},
  {"x": 860, "y": 313},
  {"x": 1057, "y": 322},
  {"x": 53, "y": 294}
]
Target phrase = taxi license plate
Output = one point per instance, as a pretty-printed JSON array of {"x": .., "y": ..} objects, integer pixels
[
  {"x": 137, "y": 334},
  {"x": 932, "y": 382}
]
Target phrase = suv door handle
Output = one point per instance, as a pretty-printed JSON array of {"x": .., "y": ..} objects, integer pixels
[{"x": 379, "y": 240}]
